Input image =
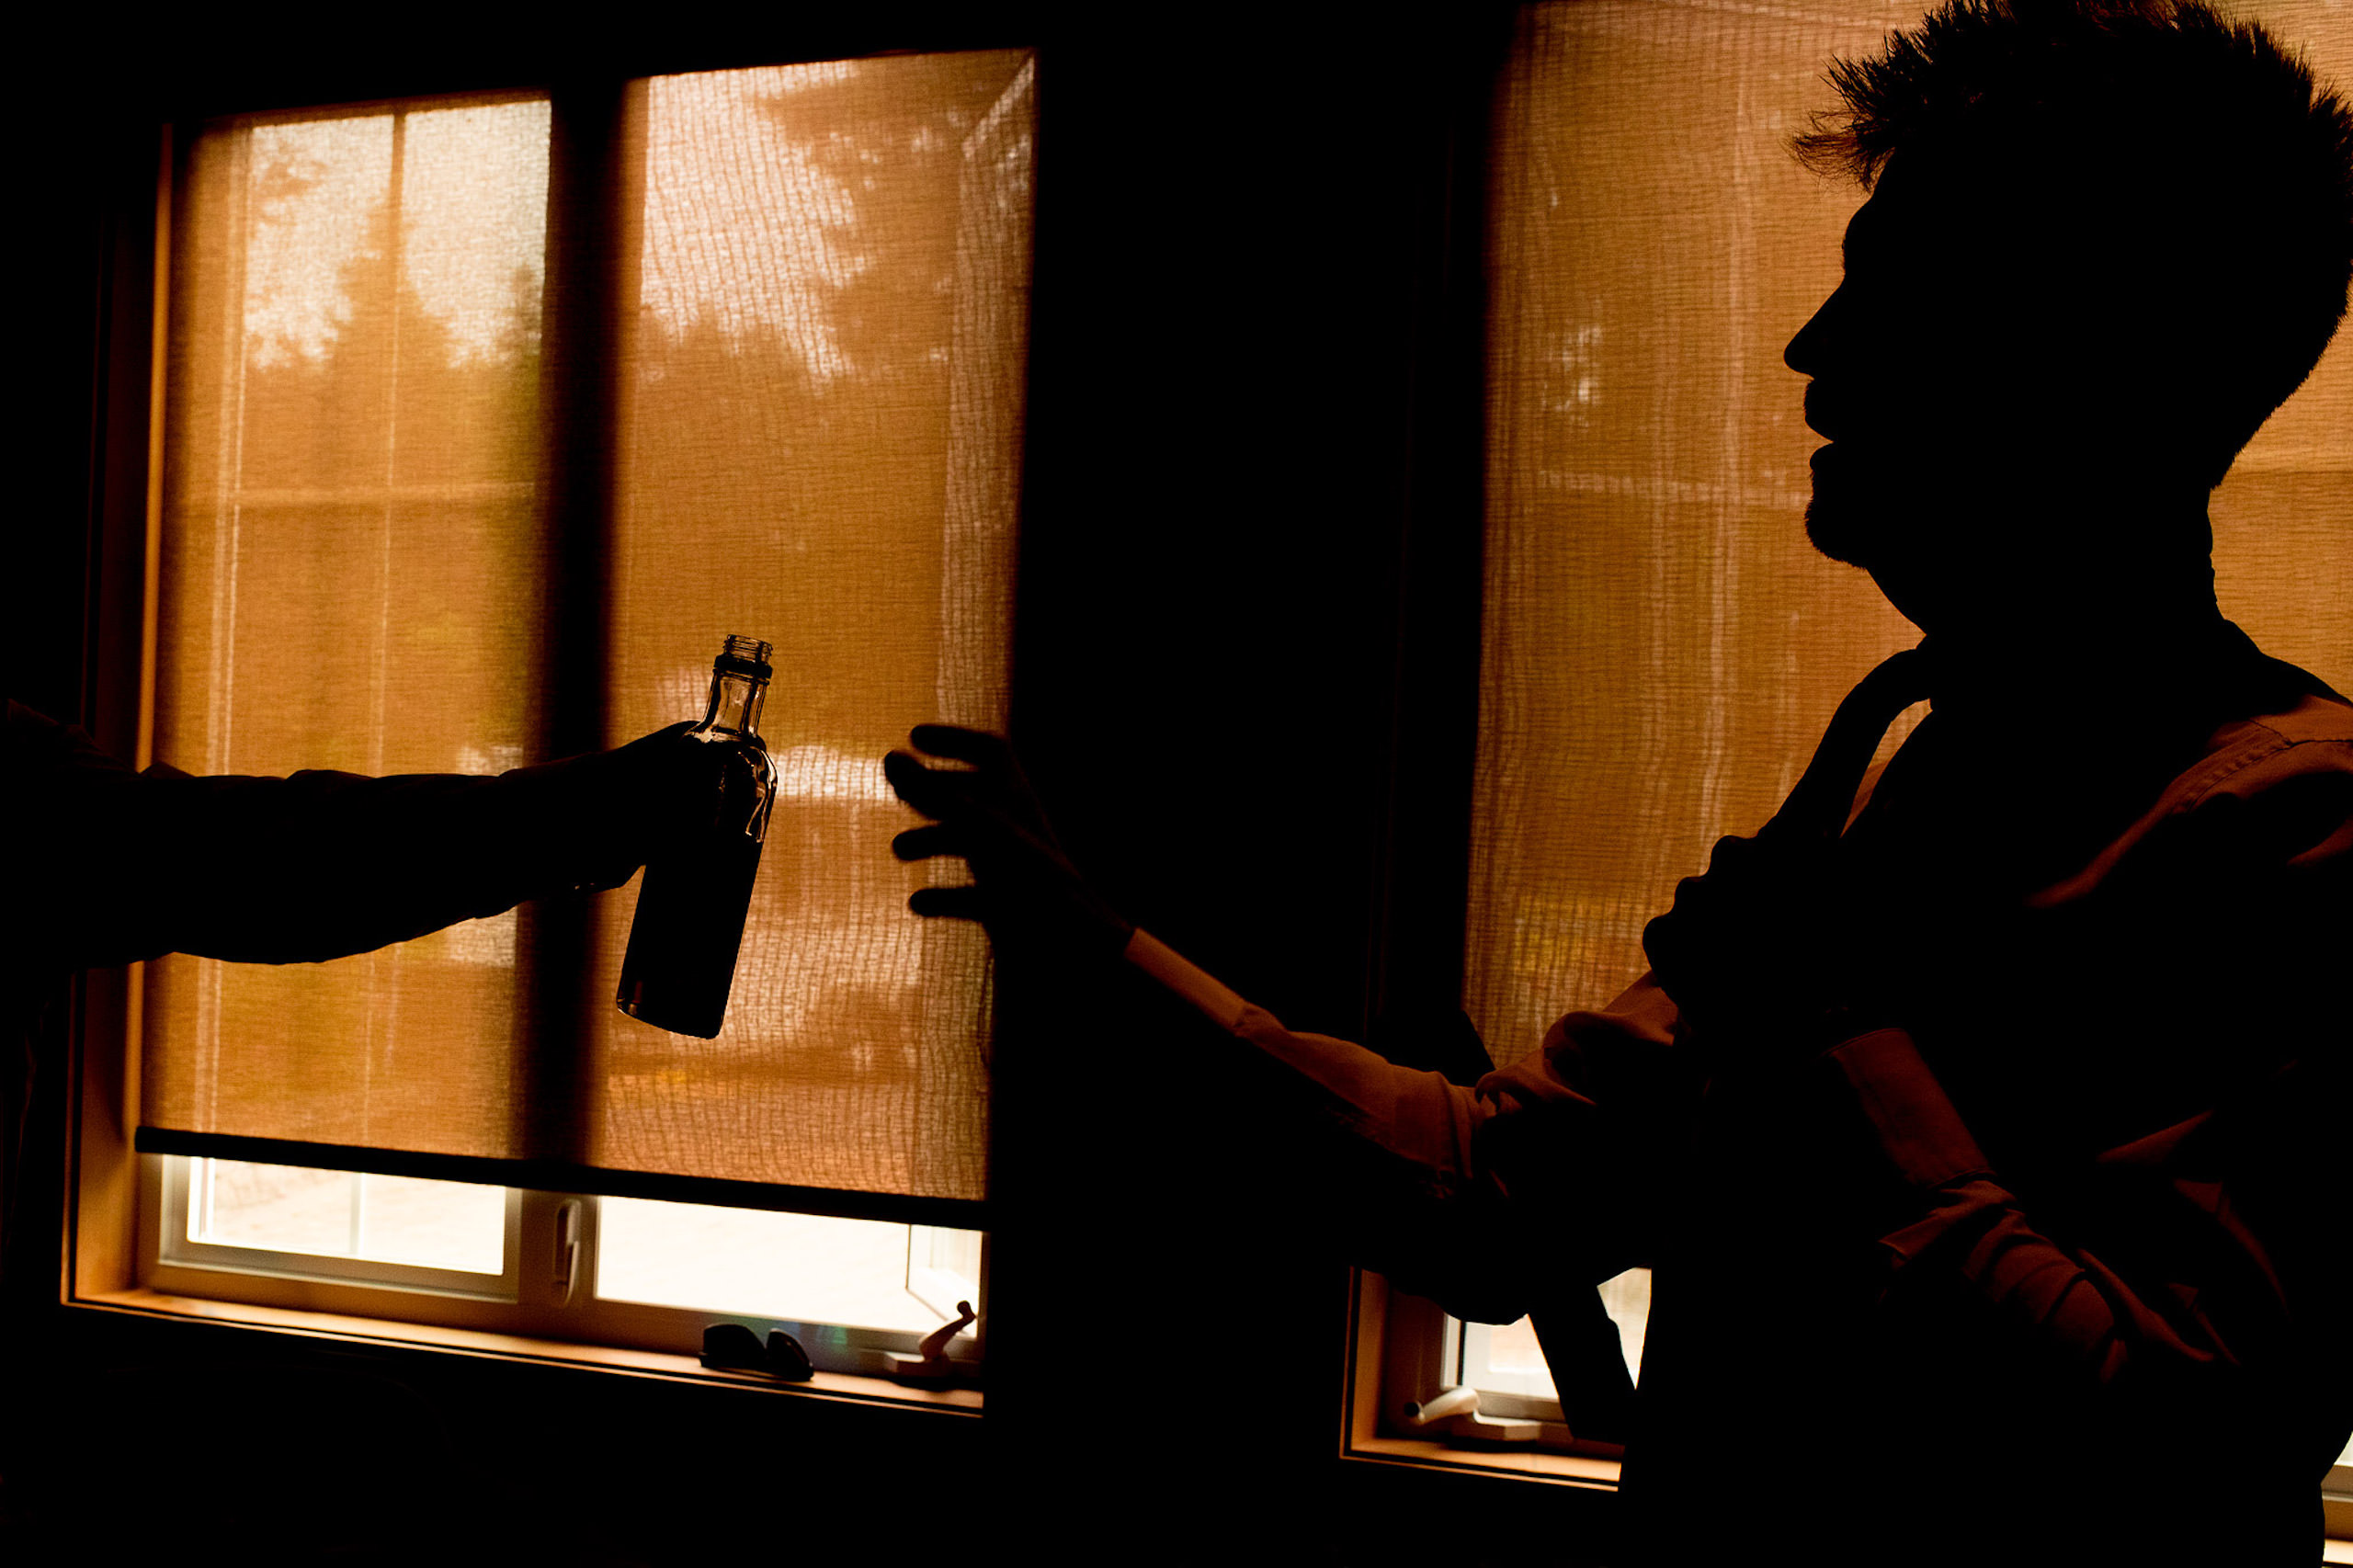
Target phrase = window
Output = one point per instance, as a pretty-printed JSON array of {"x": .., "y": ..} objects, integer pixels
[
  {"x": 483, "y": 420},
  {"x": 602, "y": 1270},
  {"x": 1642, "y": 695}
]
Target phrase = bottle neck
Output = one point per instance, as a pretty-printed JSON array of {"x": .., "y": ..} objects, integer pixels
[{"x": 735, "y": 699}]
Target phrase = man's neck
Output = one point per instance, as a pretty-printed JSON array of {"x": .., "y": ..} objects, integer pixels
[
  {"x": 2096, "y": 581},
  {"x": 2132, "y": 646}
]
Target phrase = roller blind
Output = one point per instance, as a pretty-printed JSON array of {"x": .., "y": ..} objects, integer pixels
[
  {"x": 820, "y": 306},
  {"x": 1660, "y": 645}
]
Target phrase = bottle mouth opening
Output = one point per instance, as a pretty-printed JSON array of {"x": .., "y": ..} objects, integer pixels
[{"x": 749, "y": 655}]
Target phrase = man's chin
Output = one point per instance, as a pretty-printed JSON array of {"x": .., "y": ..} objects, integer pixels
[
  {"x": 1836, "y": 528},
  {"x": 1863, "y": 507},
  {"x": 1858, "y": 535}
]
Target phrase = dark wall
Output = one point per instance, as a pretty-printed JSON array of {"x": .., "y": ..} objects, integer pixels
[{"x": 1253, "y": 469}]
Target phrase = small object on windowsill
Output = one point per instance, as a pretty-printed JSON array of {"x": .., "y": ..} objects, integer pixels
[
  {"x": 787, "y": 1359},
  {"x": 730, "y": 1347},
  {"x": 736, "y": 1347},
  {"x": 930, "y": 1363},
  {"x": 1455, "y": 1414}
]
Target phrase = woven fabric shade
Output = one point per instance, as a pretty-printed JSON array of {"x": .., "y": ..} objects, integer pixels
[
  {"x": 1662, "y": 645},
  {"x": 821, "y": 287}
]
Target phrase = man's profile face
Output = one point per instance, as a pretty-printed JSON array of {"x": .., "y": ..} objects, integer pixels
[
  {"x": 1847, "y": 353},
  {"x": 1935, "y": 397}
]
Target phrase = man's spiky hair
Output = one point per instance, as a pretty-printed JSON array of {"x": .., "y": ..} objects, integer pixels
[{"x": 2192, "y": 163}]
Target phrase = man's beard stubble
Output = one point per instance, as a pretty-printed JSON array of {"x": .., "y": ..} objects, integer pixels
[{"x": 1837, "y": 523}]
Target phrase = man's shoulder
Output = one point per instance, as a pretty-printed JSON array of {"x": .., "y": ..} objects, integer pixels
[
  {"x": 2275, "y": 788},
  {"x": 2270, "y": 788},
  {"x": 2282, "y": 715},
  {"x": 2319, "y": 716}
]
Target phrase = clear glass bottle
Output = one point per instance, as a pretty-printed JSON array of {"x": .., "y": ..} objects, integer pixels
[{"x": 682, "y": 946}]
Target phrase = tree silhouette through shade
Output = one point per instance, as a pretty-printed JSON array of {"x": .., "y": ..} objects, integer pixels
[{"x": 850, "y": 469}]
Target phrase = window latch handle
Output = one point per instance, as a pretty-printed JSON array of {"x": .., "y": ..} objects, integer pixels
[
  {"x": 930, "y": 1363},
  {"x": 567, "y": 1250},
  {"x": 1456, "y": 1413},
  {"x": 1462, "y": 1400}
]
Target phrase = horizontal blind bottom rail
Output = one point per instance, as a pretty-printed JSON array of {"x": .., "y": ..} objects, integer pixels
[{"x": 557, "y": 1175}]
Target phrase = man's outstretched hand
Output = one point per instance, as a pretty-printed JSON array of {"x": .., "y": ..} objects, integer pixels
[
  {"x": 1024, "y": 889},
  {"x": 1756, "y": 953}
]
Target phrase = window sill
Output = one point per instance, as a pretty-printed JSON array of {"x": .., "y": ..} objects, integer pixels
[
  {"x": 649, "y": 1364},
  {"x": 1534, "y": 1464},
  {"x": 1600, "y": 1474}
]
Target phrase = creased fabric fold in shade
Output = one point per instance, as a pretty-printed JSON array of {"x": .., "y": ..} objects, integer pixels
[{"x": 823, "y": 309}]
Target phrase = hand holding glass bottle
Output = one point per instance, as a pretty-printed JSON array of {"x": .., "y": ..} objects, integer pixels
[{"x": 682, "y": 946}]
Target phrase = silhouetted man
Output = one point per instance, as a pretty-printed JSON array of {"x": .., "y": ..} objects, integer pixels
[{"x": 1983, "y": 1120}]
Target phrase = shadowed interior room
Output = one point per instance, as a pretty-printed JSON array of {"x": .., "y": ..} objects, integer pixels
[{"x": 1356, "y": 465}]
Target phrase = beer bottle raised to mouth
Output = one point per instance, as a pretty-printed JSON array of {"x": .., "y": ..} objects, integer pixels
[{"x": 681, "y": 959}]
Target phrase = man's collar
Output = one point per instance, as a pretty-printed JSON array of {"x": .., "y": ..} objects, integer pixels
[{"x": 2143, "y": 664}]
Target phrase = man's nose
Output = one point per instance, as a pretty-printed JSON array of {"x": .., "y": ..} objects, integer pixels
[{"x": 1806, "y": 350}]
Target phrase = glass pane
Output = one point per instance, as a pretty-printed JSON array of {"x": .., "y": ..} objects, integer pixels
[
  {"x": 803, "y": 1268},
  {"x": 943, "y": 1267},
  {"x": 437, "y": 1224},
  {"x": 432, "y": 1224},
  {"x": 1515, "y": 1362},
  {"x": 278, "y": 1208}
]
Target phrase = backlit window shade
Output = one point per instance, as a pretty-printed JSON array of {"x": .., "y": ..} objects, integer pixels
[
  {"x": 822, "y": 305},
  {"x": 1662, "y": 646},
  {"x": 821, "y": 444}
]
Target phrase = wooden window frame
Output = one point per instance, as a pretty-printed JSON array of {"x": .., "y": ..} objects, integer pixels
[
  {"x": 107, "y": 1238},
  {"x": 540, "y": 1239}
]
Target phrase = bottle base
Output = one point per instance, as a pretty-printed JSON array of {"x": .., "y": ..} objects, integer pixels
[{"x": 638, "y": 1007}]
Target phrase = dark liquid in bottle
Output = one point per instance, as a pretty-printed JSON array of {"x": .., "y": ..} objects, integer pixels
[{"x": 681, "y": 958}]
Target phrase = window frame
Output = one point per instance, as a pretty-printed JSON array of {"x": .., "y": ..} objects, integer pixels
[
  {"x": 1094, "y": 114},
  {"x": 112, "y": 1254},
  {"x": 521, "y": 1300},
  {"x": 596, "y": 161},
  {"x": 1400, "y": 1355}
]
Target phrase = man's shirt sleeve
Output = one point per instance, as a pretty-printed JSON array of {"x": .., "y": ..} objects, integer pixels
[
  {"x": 1481, "y": 1197},
  {"x": 116, "y": 866},
  {"x": 2198, "y": 1270}
]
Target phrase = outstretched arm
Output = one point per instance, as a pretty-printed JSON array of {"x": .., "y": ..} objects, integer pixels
[
  {"x": 120, "y": 866},
  {"x": 1417, "y": 1176}
]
